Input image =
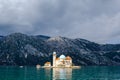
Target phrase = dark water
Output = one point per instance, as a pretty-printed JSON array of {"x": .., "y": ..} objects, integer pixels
[{"x": 85, "y": 73}]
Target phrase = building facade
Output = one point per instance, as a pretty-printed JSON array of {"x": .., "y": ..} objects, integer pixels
[
  {"x": 62, "y": 61},
  {"x": 47, "y": 64}
]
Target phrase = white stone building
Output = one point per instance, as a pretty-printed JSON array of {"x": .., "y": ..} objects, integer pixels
[{"x": 62, "y": 61}]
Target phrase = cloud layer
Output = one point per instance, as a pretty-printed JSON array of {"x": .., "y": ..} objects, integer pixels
[{"x": 95, "y": 20}]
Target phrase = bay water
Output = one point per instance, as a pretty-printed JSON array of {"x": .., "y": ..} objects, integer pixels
[{"x": 84, "y": 73}]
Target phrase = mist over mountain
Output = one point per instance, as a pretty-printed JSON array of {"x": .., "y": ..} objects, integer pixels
[{"x": 22, "y": 49}]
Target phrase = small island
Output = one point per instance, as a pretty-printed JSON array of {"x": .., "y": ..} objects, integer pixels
[{"x": 60, "y": 62}]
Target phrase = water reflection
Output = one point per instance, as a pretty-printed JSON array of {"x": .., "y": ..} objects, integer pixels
[
  {"x": 85, "y": 73},
  {"x": 48, "y": 73},
  {"x": 62, "y": 73}
]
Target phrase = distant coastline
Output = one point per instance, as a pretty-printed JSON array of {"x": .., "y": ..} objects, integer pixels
[{"x": 21, "y": 49}]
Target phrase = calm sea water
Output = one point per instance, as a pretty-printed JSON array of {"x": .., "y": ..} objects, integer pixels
[{"x": 85, "y": 73}]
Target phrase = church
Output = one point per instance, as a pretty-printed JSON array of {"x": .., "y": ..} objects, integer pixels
[{"x": 62, "y": 61}]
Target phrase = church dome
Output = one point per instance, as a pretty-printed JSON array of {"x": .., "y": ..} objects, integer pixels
[
  {"x": 54, "y": 52},
  {"x": 68, "y": 58},
  {"x": 62, "y": 57}
]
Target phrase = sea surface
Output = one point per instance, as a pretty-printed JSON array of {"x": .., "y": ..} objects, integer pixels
[{"x": 84, "y": 73}]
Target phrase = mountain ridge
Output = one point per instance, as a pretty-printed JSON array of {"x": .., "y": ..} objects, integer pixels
[{"x": 22, "y": 49}]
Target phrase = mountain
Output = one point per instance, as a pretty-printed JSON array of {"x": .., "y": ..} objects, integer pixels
[
  {"x": 22, "y": 49},
  {"x": 1, "y": 37},
  {"x": 43, "y": 37}
]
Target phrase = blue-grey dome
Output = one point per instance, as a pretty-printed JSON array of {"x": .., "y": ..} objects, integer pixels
[
  {"x": 54, "y": 52},
  {"x": 62, "y": 57}
]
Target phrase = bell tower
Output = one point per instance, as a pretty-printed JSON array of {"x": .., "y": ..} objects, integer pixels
[{"x": 54, "y": 59}]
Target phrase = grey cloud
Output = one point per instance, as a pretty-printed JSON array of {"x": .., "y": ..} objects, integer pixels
[{"x": 95, "y": 20}]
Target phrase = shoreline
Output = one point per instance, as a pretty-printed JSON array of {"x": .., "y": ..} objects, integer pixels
[{"x": 61, "y": 67}]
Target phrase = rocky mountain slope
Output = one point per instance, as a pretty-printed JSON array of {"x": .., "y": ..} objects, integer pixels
[{"x": 21, "y": 49}]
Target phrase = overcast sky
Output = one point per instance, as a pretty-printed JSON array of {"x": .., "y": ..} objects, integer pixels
[{"x": 94, "y": 20}]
